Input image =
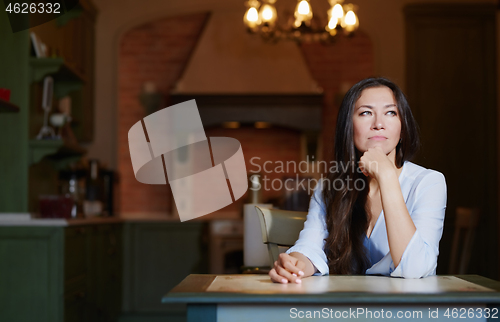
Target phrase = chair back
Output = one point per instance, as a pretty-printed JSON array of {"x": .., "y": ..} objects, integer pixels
[
  {"x": 280, "y": 228},
  {"x": 466, "y": 221}
]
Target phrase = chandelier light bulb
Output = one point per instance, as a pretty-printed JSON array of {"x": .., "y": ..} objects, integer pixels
[
  {"x": 252, "y": 18},
  {"x": 332, "y": 24},
  {"x": 268, "y": 14},
  {"x": 252, "y": 15},
  {"x": 303, "y": 13},
  {"x": 351, "y": 21},
  {"x": 337, "y": 11},
  {"x": 304, "y": 8}
]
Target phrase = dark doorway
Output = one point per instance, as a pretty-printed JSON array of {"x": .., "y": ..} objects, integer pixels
[{"x": 451, "y": 69}]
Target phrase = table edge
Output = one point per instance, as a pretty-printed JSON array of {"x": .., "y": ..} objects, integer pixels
[{"x": 193, "y": 290}]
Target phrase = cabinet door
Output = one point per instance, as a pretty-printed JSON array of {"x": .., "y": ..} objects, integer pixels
[
  {"x": 106, "y": 272},
  {"x": 76, "y": 256},
  {"x": 76, "y": 304},
  {"x": 31, "y": 267},
  {"x": 158, "y": 256},
  {"x": 93, "y": 273}
]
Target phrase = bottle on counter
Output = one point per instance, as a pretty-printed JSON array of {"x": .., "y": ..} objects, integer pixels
[
  {"x": 72, "y": 183},
  {"x": 93, "y": 206},
  {"x": 108, "y": 177}
]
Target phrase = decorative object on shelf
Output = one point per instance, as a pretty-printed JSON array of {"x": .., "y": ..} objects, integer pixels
[
  {"x": 46, "y": 132},
  {"x": 39, "y": 47},
  {"x": 64, "y": 130},
  {"x": 151, "y": 99},
  {"x": 5, "y": 105},
  {"x": 302, "y": 26},
  {"x": 65, "y": 107},
  {"x": 58, "y": 120},
  {"x": 5, "y": 94}
]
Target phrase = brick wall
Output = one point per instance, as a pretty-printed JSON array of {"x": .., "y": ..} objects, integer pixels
[
  {"x": 261, "y": 145},
  {"x": 336, "y": 67},
  {"x": 157, "y": 52}
]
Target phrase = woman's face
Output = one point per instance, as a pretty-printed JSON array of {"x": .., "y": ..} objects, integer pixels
[{"x": 376, "y": 121}]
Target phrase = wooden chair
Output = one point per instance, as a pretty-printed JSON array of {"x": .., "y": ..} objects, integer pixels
[
  {"x": 463, "y": 238},
  {"x": 280, "y": 228}
]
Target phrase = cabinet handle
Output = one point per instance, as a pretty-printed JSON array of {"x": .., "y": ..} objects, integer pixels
[
  {"x": 111, "y": 251},
  {"x": 80, "y": 295},
  {"x": 81, "y": 230}
]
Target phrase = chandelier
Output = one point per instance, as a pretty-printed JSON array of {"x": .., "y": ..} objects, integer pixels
[{"x": 261, "y": 18}]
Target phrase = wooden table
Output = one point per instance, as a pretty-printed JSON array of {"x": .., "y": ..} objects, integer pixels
[{"x": 249, "y": 297}]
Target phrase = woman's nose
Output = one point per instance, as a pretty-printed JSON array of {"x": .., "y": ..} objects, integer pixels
[{"x": 377, "y": 123}]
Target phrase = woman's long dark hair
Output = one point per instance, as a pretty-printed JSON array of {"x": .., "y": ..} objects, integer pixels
[{"x": 346, "y": 206}]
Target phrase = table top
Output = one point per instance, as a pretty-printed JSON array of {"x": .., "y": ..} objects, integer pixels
[{"x": 250, "y": 288}]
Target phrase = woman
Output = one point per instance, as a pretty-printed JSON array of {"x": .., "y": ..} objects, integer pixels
[{"x": 387, "y": 217}]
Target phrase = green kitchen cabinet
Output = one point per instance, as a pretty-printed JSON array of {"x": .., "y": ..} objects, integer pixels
[
  {"x": 57, "y": 274},
  {"x": 158, "y": 256},
  {"x": 106, "y": 272},
  {"x": 97, "y": 272},
  {"x": 31, "y": 270}
]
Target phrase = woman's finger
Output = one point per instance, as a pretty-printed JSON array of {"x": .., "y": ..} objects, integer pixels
[
  {"x": 362, "y": 168},
  {"x": 277, "y": 278},
  {"x": 289, "y": 263},
  {"x": 301, "y": 265},
  {"x": 288, "y": 275},
  {"x": 292, "y": 268}
]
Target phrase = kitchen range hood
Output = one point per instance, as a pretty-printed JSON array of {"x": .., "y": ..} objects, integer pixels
[{"x": 236, "y": 77}]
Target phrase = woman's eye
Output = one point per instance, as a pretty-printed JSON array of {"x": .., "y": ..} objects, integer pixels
[
  {"x": 393, "y": 113},
  {"x": 365, "y": 113}
]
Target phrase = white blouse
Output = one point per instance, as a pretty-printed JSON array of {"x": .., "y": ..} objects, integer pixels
[{"x": 424, "y": 192}]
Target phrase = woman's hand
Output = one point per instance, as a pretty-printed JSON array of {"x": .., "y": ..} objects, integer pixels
[
  {"x": 375, "y": 163},
  {"x": 290, "y": 269}
]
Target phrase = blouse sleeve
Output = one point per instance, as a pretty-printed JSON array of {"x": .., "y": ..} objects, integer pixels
[
  {"x": 420, "y": 256},
  {"x": 311, "y": 240}
]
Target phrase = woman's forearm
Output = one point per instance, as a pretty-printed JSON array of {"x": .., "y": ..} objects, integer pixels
[{"x": 400, "y": 227}]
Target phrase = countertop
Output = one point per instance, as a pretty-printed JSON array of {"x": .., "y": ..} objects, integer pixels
[{"x": 26, "y": 219}]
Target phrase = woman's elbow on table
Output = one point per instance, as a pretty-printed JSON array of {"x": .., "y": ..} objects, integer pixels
[{"x": 416, "y": 268}]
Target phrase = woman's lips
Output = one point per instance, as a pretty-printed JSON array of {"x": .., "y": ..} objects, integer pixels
[{"x": 378, "y": 138}]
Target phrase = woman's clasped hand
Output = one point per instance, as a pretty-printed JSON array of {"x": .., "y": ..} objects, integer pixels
[{"x": 291, "y": 268}]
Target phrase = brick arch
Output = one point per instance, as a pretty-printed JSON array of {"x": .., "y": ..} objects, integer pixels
[
  {"x": 336, "y": 67},
  {"x": 157, "y": 51}
]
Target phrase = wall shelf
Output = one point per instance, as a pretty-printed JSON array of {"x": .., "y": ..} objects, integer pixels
[
  {"x": 58, "y": 151},
  {"x": 62, "y": 73},
  {"x": 41, "y": 67},
  {"x": 74, "y": 13},
  {"x": 8, "y": 107},
  {"x": 33, "y": 164}
]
